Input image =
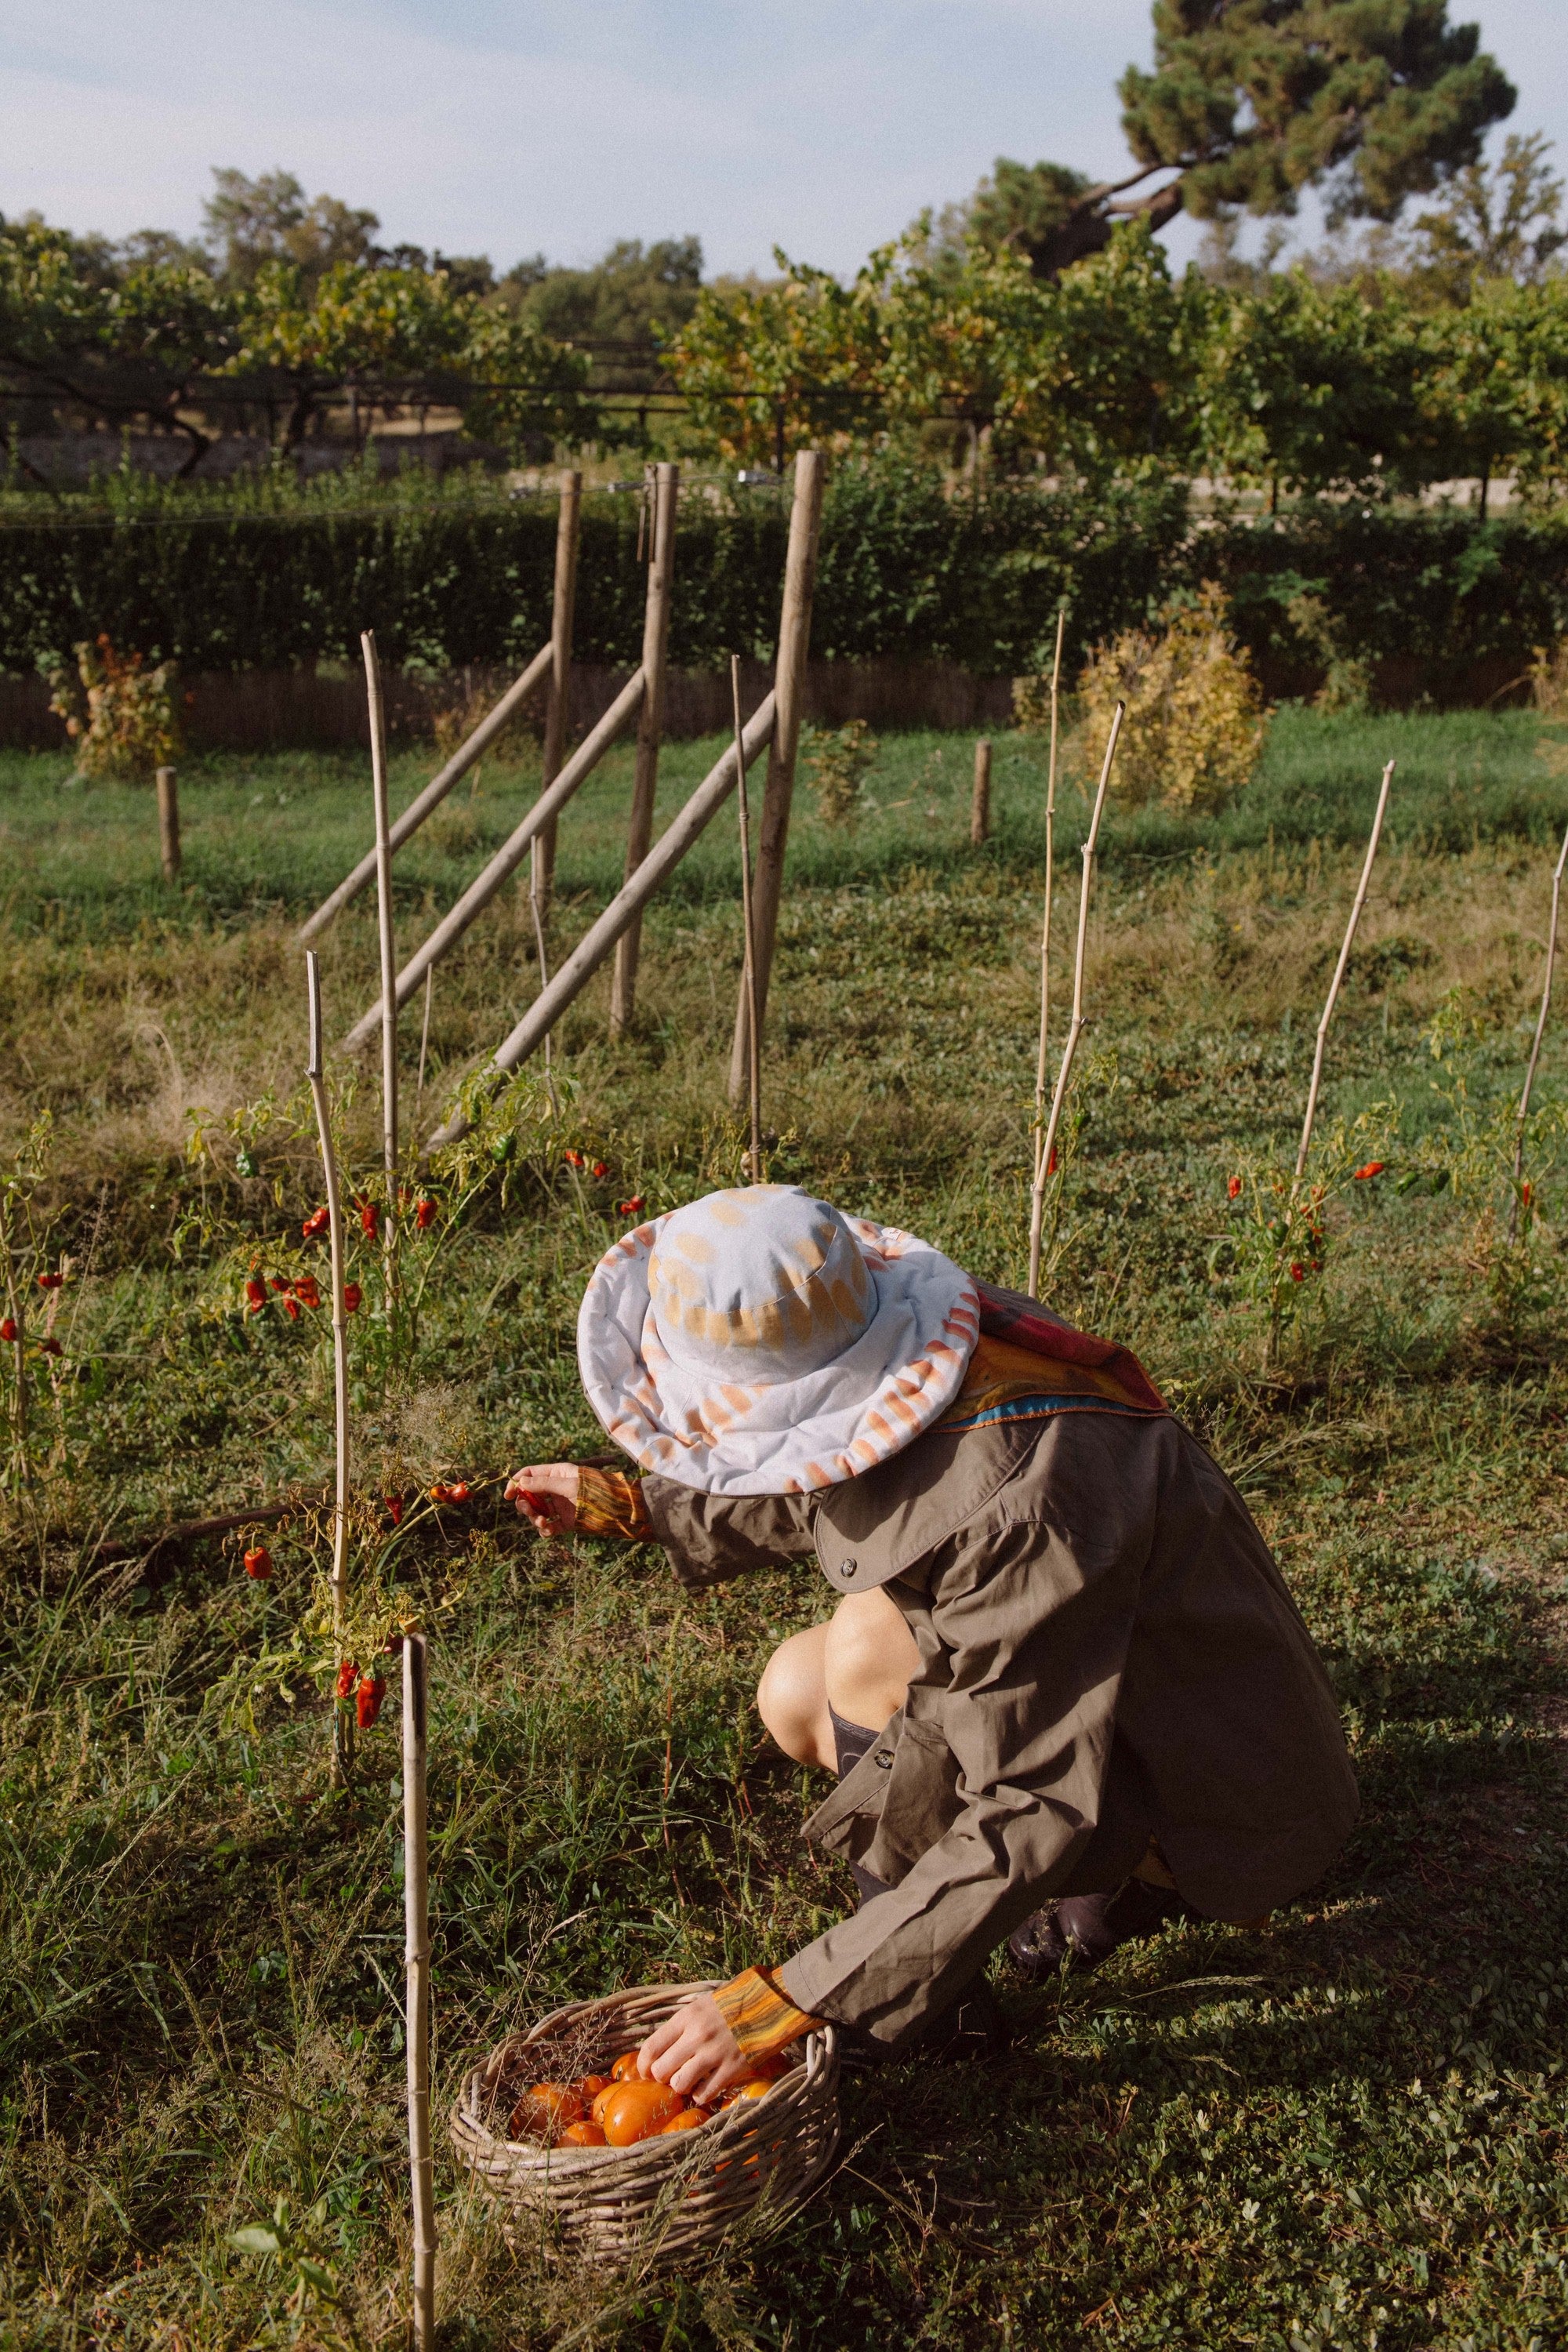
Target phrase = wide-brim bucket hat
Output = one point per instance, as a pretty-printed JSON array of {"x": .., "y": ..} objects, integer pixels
[{"x": 760, "y": 1342}]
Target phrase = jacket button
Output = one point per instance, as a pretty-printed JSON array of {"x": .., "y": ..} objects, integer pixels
[
  {"x": 884, "y": 1759},
  {"x": 846, "y": 1568}
]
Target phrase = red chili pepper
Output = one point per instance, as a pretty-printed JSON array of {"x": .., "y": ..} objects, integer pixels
[
  {"x": 631, "y": 1208},
  {"x": 1527, "y": 1192},
  {"x": 255, "y": 1296},
  {"x": 352, "y": 1298},
  {"x": 1051, "y": 1168},
  {"x": 459, "y": 1493},
  {"x": 599, "y": 1169},
  {"x": 317, "y": 1222},
  {"x": 367, "y": 1700},
  {"x": 573, "y": 1159},
  {"x": 1297, "y": 1273},
  {"x": 1234, "y": 1187},
  {"x": 50, "y": 1347},
  {"x": 291, "y": 1308},
  {"x": 370, "y": 1218},
  {"x": 1373, "y": 1168},
  {"x": 50, "y": 1281},
  {"x": 7, "y": 1329},
  {"x": 394, "y": 1507},
  {"x": 423, "y": 1214},
  {"x": 278, "y": 1281},
  {"x": 258, "y": 1563},
  {"x": 307, "y": 1290},
  {"x": 346, "y": 1674},
  {"x": 438, "y": 1493}
]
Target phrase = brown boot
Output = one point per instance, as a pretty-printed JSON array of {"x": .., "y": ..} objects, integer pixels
[{"x": 1082, "y": 1930}]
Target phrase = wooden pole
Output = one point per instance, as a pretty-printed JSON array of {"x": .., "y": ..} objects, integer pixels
[
  {"x": 789, "y": 693},
  {"x": 1042, "y": 1059},
  {"x": 416, "y": 1977},
  {"x": 343, "y": 1735},
  {"x": 388, "y": 955},
  {"x": 1339, "y": 976},
  {"x": 169, "y": 825},
  {"x": 1048, "y": 1148},
  {"x": 754, "y": 1031},
  {"x": 508, "y": 857},
  {"x": 1540, "y": 1034},
  {"x": 435, "y": 791},
  {"x": 655, "y": 648},
  {"x": 980, "y": 806},
  {"x": 557, "y": 716},
  {"x": 595, "y": 944},
  {"x": 537, "y": 900}
]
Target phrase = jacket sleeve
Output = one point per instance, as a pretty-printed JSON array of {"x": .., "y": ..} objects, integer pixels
[
  {"x": 712, "y": 1538},
  {"x": 1013, "y": 1718}
]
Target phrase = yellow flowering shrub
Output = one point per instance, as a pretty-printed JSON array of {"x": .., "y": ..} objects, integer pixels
[{"x": 1195, "y": 718}]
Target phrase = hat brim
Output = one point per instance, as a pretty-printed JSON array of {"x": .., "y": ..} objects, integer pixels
[{"x": 785, "y": 1436}]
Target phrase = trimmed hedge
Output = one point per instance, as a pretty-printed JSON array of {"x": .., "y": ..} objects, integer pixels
[{"x": 447, "y": 578}]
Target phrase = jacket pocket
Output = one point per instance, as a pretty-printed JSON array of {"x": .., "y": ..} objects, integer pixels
[{"x": 921, "y": 1802}]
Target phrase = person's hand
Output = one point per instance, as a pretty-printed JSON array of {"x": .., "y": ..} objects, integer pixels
[
  {"x": 546, "y": 1495},
  {"x": 694, "y": 2052}
]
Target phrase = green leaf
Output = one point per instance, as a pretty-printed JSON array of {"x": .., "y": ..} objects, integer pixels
[{"x": 255, "y": 2240}]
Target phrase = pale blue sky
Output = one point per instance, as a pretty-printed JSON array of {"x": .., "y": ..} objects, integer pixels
[{"x": 481, "y": 126}]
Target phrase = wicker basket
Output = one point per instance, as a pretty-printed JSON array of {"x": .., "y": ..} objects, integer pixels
[{"x": 758, "y": 2159}]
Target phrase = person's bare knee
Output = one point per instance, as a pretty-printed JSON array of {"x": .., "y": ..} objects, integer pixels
[
  {"x": 791, "y": 1698},
  {"x": 868, "y": 1657}
]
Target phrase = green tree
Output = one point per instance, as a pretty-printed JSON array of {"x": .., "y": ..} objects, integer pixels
[
  {"x": 1501, "y": 221},
  {"x": 1250, "y": 101},
  {"x": 253, "y": 224}
]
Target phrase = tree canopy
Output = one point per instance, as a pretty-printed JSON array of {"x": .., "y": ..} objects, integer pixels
[{"x": 1250, "y": 101}]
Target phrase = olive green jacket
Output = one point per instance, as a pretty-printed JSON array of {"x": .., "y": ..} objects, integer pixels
[{"x": 1108, "y": 1653}]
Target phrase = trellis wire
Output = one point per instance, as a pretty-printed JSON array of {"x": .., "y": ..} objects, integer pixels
[
  {"x": 1540, "y": 1034},
  {"x": 1076, "y": 1027},
  {"x": 753, "y": 1031},
  {"x": 341, "y": 1734},
  {"x": 1332, "y": 998},
  {"x": 1041, "y": 1060}
]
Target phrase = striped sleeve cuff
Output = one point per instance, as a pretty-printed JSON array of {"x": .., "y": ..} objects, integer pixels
[
  {"x": 761, "y": 2017},
  {"x": 611, "y": 1503}
]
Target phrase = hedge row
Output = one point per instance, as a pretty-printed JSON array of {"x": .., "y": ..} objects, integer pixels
[{"x": 907, "y": 570}]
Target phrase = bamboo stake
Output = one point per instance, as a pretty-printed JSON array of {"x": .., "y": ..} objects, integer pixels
[
  {"x": 980, "y": 805},
  {"x": 1076, "y": 1028},
  {"x": 424, "y": 1043},
  {"x": 778, "y": 789},
  {"x": 596, "y": 943},
  {"x": 1339, "y": 976},
  {"x": 507, "y": 860},
  {"x": 1540, "y": 1034},
  {"x": 169, "y": 825},
  {"x": 650, "y": 727},
  {"x": 388, "y": 958},
  {"x": 753, "y": 1033},
  {"x": 416, "y": 1977},
  {"x": 1042, "y": 1059},
  {"x": 435, "y": 791},
  {"x": 562, "y": 615},
  {"x": 342, "y": 1736}
]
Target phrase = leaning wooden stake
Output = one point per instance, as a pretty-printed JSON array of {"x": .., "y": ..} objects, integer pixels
[
  {"x": 1306, "y": 1143},
  {"x": 1042, "y": 1059},
  {"x": 655, "y": 649},
  {"x": 1540, "y": 1034},
  {"x": 537, "y": 901},
  {"x": 980, "y": 805},
  {"x": 754, "y": 1031},
  {"x": 342, "y": 1732},
  {"x": 416, "y": 1978},
  {"x": 789, "y": 692},
  {"x": 1048, "y": 1142},
  {"x": 388, "y": 956}
]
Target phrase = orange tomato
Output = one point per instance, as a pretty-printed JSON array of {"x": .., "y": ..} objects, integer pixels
[
  {"x": 545, "y": 2109},
  {"x": 583, "y": 2134},
  {"x": 592, "y": 2084},
  {"x": 756, "y": 2086},
  {"x": 601, "y": 2099},
  {"x": 689, "y": 2119},
  {"x": 624, "y": 2069},
  {"x": 632, "y": 2111}
]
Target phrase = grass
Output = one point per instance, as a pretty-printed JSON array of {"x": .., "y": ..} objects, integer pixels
[{"x": 1347, "y": 2129}]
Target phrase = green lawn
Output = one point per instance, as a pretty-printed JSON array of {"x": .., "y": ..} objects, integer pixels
[{"x": 1348, "y": 2129}]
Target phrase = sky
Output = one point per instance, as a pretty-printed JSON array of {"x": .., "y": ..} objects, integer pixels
[{"x": 511, "y": 127}]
